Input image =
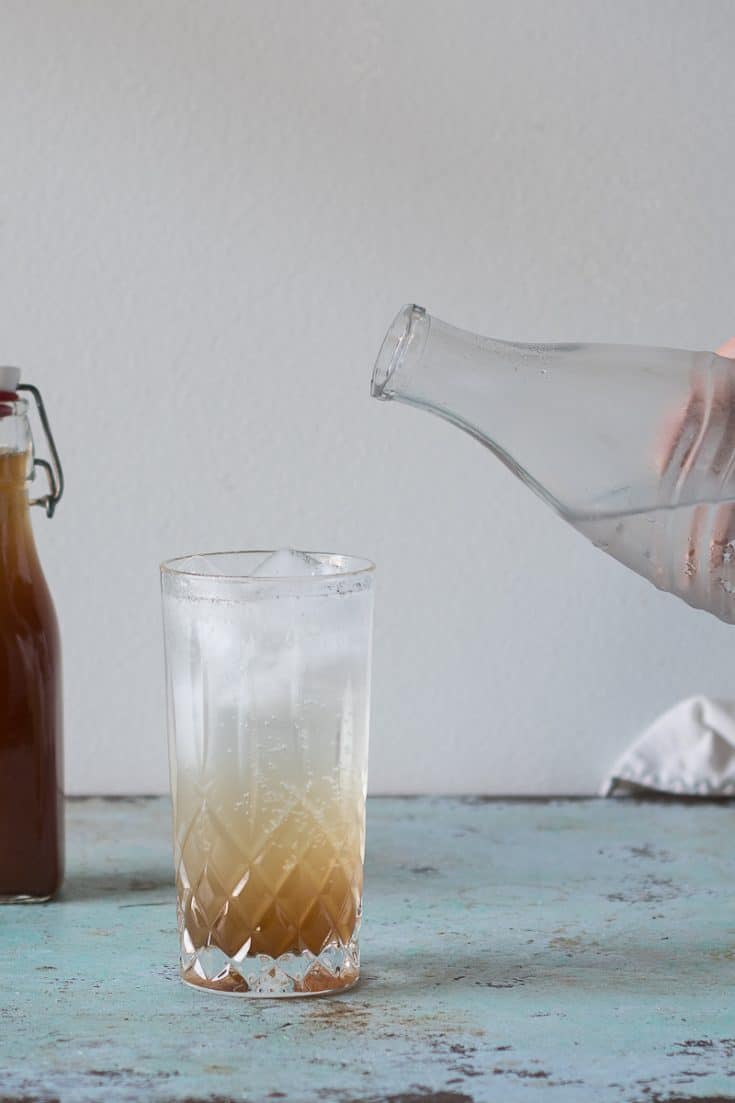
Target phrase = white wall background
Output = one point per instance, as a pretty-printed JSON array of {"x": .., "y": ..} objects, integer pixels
[{"x": 209, "y": 213}]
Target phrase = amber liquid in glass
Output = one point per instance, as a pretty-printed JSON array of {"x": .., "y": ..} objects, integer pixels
[
  {"x": 283, "y": 881},
  {"x": 31, "y": 810}
]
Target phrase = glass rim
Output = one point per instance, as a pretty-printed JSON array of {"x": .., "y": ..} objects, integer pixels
[{"x": 355, "y": 565}]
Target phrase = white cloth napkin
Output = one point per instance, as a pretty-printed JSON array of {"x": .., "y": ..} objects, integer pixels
[{"x": 689, "y": 750}]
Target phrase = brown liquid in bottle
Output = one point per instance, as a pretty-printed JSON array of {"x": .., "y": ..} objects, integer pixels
[{"x": 31, "y": 812}]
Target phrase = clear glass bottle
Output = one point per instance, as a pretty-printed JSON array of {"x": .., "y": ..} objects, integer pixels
[
  {"x": 31, "y": 798},
  {"x": 633, "y": 446}
]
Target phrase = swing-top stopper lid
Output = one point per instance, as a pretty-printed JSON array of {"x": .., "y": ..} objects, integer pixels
[{"x": 9, "y": 379}]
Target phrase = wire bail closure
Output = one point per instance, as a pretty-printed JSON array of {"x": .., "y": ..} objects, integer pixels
[{"x": 53, "y": 470}]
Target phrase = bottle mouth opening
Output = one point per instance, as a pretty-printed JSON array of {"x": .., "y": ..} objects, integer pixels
[{"x": 406, "y": 334}]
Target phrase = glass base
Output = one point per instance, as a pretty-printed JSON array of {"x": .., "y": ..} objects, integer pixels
[
  {"x": 23, "y": 898},
  {"x": 335, "y": 969}
]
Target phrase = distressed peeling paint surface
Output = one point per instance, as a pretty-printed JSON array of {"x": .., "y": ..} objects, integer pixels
[{"x": 571, "y": 950}]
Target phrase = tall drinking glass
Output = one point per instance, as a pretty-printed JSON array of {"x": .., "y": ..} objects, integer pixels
[{"x": 268, "y": 687}]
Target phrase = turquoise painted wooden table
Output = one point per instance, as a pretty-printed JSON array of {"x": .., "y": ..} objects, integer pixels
[{"x": 572, "y": 951}]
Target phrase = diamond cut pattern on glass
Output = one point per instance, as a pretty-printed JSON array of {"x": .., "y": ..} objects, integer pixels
[{"x": 274, "y": 915}]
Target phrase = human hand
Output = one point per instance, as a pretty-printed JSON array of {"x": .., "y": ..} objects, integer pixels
[{"x": 703, "y": 435}]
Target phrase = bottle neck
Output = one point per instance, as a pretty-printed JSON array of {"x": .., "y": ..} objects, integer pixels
[
  {"x": 425, "y": 362},
  {"x": 468, "y": 380},
  {"x": 16, "y": 463},
  {"x": 592, "y": 429}
]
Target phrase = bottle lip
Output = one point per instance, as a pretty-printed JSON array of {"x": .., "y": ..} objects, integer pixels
[{"x": 404, "y": 339}]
